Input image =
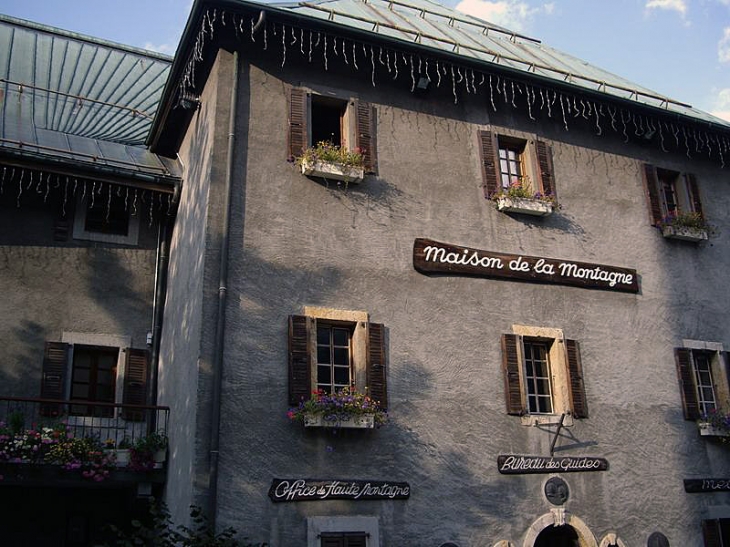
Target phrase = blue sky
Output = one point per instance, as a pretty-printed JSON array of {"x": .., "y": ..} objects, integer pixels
[{"x": 679, "y": 48}]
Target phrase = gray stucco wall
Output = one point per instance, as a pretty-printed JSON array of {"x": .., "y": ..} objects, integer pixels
[{"x": 301, "y": 243}]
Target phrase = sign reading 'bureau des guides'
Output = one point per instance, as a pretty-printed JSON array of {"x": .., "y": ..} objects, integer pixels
[{"x": 433, "y": 257}]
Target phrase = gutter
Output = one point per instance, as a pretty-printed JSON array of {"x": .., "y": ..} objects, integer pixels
[{"x": 222, "y": 298}]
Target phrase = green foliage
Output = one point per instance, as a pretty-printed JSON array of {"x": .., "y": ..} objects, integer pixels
[
  {"x": 330, "y": 153},
  {"x": 158, "y": 530},
  {"x": 338, "y": 406},
  {"x": 142, "y": 453},
  {"x": 685, "y": 220},
  {"x": 519, "y": 189}
]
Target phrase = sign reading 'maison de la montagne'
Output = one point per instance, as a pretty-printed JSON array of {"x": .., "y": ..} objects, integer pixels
[{"x": 442, "y": 258}]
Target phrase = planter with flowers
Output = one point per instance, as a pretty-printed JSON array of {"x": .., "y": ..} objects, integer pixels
[
  {"x": 346, "y": 408},
  {"x": 148, "y": 452},
  {"x": 716, "y": 423},
  {"x": 333, "y": 162},
  {"x": 684, "y": 226},
  {"x": 519, "y": 199}
]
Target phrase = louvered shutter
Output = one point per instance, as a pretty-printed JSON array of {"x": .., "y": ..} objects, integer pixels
[
  {"x": 298, "y": 112},
  {"x": 651, "y": 182},
  {"x": 577, "y": 387},
  {"x": 489, "y": 158},
  {"x": 365, "y": 132},
  {"x": 545, "y": 164},
  {"x": 53, "y": 376},
  {"x": 135, "y": 383},
  {"x": 330, "y": 541},
  {"x": 685, "y": 375},
  {"x": 694, "y": 191},
  {"x": 300, "y": 383},
  {"x": 711, "y": 533},
  {"x": 355, "y": 540},
  {"x": 376, "y": 370},
  {"x": 511, "y": 369}
]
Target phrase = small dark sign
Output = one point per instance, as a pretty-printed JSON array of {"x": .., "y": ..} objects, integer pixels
[
  {"x": 311, "y": 489},
  {"x": 698, "y": 486},
  {"x": 521, "y": 465},
  {"x": 442, "y": 258}
]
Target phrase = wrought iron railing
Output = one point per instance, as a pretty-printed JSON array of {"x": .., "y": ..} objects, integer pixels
[{"x": 109, "y": 422}]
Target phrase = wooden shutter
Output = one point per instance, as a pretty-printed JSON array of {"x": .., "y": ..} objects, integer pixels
[
  {"x": 489, "y": 158},
  {"x": 545, "y": 165},
  {"x": 355, "y": 540},
  {"x": 53, "y": 376},
  {"x": 135, "y": 383},
  {"x": 651, "y": 183},
  {"x": 298, "y": 113},
  {"x": 711, "y": 533},
  {"x": 376, "y": 372},
  {"x": 300, "y": 380},
  {"x": 345, "y": 539},
  {"x": 577, "y": 387},
  {"x": 685, "y": 374},
  {"x": 694, "y": 192},
  {"x": 365, "y": 132},
  {"x": 511, "y": 368}
]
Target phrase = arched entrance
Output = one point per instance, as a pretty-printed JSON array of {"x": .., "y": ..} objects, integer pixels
[{"x": 558, "y": 536}]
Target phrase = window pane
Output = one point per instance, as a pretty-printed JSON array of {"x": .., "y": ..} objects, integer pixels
[
  {"x": 341, "y": 337},
  {"x": 342, "y": 356},
  {"x": 324, "y": 375},
  {"x": 323, "y": 354},
  {"x": 323, "y": 335},
  {"x": 80, "y": 391},
  {"x": 342, "y": 375}
]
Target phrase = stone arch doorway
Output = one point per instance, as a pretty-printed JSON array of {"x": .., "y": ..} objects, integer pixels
[{"x": 559, "y": 529}]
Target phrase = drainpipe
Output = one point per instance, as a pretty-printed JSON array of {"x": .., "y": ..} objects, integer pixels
[
  {"x": 221, "y": 324},
  {"x": 158, "y": 306}
]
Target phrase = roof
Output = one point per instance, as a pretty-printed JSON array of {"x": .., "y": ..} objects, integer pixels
[
  {"x": 65, "y": 96},
  {"x": 436, "y": 27}
]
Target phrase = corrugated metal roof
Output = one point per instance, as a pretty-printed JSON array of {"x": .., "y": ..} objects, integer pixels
[
  {"x": 434, "y": 26},
  {"x": 67, "y": 95}
]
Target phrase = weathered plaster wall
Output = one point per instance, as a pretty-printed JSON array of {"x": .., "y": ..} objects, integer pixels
[
  {"x": 306, "y": 243},
  {"x": 75, "y": 286}
]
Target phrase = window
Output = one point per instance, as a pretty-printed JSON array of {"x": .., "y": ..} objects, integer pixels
[
  {"x": 93, "y": 368},
  {"x": 331, "y": 349},
  {"x": 543, "y": 375},
  {"x": 507, "y": 160},
  {"x": 105, "y": 220},
  {"x": 342, "y": 532},
  {"x": 343, "y": 539},
  {"x": 346, "y": 122},
  {"x": 671, "y": 193},
  {"x": 716, "y": 532},
  {"x": 703, "y": 381}
]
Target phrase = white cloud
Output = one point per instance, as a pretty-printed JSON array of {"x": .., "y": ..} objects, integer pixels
[
  {"x": 671, "y": 5},
  {"x": 512, "y": 14},
  {"x": 723, "y": 46},
  {"x": 721, "y": 106},
  {"x": 167, "y": 49}
]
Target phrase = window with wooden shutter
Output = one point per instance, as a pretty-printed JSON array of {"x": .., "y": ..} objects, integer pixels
[
  {"x": 671, "y": 194},
  {"x": 93, "y": 379},
  {"x": 577, "y": 388},
  {"x": 135, "y": 383},
  {"x": 376, "y": 377},
  {"x": 298, "y": 113},
  {"x": 300, "y": 384},
  {"x": 343, "y": 539},
  {"x": 365, "y": 135},
  {"x": 53, "y": 377},
  {"x": 702, "y": 372},
  {"x": 514, "y": 394}
]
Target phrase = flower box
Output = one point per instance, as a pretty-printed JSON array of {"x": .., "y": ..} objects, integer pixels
[
  {"x": 685, "y": 233},
  {"x": 360, "y": 421},
  {"x": 708, "y": 430},
  {"x": 524, "y": 206},
  {"x": 333, "y": 171}
]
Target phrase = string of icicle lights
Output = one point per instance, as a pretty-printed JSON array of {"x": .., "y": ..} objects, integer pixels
[
  {"x": 20, "y": 183},
  {"x": 498, "y": 90}
]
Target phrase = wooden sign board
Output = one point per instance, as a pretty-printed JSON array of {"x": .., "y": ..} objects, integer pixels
[
  {"x": 699, "y": 486},
  {"x": 433, "y": 257},
  {"x": 523, "y": 465},
  {"x": 310, "y": 490}
]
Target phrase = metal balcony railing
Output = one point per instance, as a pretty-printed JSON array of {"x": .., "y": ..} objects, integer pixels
[{"x": 105, "y": 421}]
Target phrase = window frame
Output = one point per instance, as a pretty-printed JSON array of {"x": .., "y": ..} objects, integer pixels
[
  {"x": 685, "y": 187},
  {"x": 536, "y": 158},
  {"x": 566, "y": 375},
  {"x": 362, "y": 525},
  {"x": 358, "y": 123},
  {"x": 80, "y": 231},
  {"x": 686, "y": 364}
]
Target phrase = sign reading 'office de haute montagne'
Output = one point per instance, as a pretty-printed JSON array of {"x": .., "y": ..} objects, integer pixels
[{"x": 433, "y": 257}]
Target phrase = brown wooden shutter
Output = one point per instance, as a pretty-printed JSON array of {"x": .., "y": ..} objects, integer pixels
[
  {"x": 545, "y": 164},
  {"x": 365, "y": 131},
  {"x": 511, "y": 368},
  {"x": 651, "y": 183},
  {"x": 300, "y": 379},
  {"x": 376, "y": 370},
  {"x": 711, "y": 533},
  {"x": 53, "y": 376},
  {"x": 685, "y": 374},
  {"x": 577, "y": 387},
  {"x": 694, "y": 191},
  {"x": 298, "y": 112},
  {"x": 489, "y": 158},
  {"x": 135, "y": 383}
]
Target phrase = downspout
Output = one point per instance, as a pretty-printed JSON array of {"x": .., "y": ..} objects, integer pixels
[{"x": 221, "y": 324}]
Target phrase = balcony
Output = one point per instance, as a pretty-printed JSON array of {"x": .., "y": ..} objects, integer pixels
[{"x": 63, "y": 442}]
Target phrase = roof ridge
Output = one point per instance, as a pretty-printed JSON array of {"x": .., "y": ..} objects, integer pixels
[{"x": 84, "y": 38}]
